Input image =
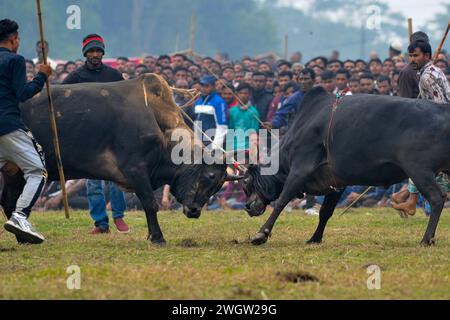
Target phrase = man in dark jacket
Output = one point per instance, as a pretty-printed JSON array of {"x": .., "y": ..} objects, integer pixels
[
  {"x": 17, "y": 144},
  {"x": 95, "y": 71},
  {"x": 408, "y": 83},
  {"x": 261, "y": 99}
]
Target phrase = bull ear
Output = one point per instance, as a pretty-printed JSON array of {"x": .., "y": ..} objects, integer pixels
[{"x": 233, "y": 177}]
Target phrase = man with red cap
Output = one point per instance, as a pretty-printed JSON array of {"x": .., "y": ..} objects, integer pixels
[{"x": 95, "y": 71}]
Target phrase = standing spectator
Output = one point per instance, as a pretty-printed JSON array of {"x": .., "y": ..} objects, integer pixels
[
  {"x": 354, "y": 86},
  {"x": 243, "y": 118},
  {"x": 292, "y": 100},
  {"x": 95, "y": 71},
  {"x": 434, "y": 87},
  {"x": 228, "y": 95},
  {"x": 394, "y": 82},
  {"x": 180, "y": 73},
  {"x": 141, "y": 69},
  {"x": 270, "y": 78},
  {"x": 150, "y": 63},
  {"x": 228, "y": 73},
  {"x": 408, "y": 85},
  {"x": 178, "y": 60},
  {"x": 130, "y": 68},
  {"x": 342, "y": 88},
  {"x": 328, "y": 81},
  {"x": 284, "y": 65},
  {"x": 296, "y": 57},
  {"x": 367, "y": 84},
  {"x": 164, "y": 61},
  {"x": 70, "y": 67},
  {"x": 376, "y": 67},
  {"x": 122, "y": 64},
  {"x": 349, "y": 65},
  {"x": 39, "y": 59},
  {"x": 306, "y": 80},
  {"x": 261, "y": 99},
  {"x": 388, "y": 67},
  {"x": 211, "y": 114},
  {"x": 334, "y": 65},
  {"x": 384, "y": 85}
]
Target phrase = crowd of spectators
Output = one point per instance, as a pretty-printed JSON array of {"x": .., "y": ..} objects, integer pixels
[{"x": 261, "y": 92}]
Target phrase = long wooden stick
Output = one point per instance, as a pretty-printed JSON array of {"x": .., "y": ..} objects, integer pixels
[
  {"x": 51, "y": 111},
  {"x": 410, "y": 29},
  {"x": 356, "y": 200},
  {"x": 438, "y": 51}
]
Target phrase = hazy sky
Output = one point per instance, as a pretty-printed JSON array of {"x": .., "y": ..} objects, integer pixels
[{"x": 419, "y": 10}]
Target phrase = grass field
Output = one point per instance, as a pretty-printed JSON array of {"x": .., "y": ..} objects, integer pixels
[{"x": 211, "y": 258}]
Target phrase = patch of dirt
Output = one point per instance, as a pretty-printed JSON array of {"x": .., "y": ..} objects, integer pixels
[
  {"x": 297, "y": 277},
  {"x": 188, "y": 243}
]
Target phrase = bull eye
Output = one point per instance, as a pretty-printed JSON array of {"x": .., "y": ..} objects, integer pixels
[{"x": 211, "y": 175}]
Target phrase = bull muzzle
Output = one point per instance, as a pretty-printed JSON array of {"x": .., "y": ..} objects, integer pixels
[{"x": 192, "y": 212}]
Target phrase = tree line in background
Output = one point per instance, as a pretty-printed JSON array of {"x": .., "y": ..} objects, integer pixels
[{"x": 235, "y": 27}]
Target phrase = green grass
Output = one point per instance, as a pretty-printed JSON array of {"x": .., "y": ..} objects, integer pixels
[{"x": 211, "y": 258}]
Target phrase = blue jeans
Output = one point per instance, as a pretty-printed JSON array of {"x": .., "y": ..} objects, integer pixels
[{"x": 97, "y": 202}]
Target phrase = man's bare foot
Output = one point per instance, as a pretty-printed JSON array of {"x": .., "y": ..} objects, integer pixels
[
  {"x": 400, "y": 197},
  {"x": 408, "y": 207}
]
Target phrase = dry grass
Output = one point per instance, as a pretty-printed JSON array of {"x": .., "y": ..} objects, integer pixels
[{"x": 211, "y": 258}]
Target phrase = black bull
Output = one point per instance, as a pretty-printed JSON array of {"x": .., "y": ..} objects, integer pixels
[
  {"x": 107, "y": 132},
  {"x": 373, "y": 140}
]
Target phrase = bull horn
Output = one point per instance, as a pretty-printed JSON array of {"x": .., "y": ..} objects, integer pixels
[{"x": 233, "y": 177}]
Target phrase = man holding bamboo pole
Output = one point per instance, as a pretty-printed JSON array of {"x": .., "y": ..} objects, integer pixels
[{"x": 17, "y": 144}]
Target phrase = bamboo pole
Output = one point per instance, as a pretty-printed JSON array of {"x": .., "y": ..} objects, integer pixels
[
  {"x": 438, "y": 51},
  {"x": 286, "y": 47},
  {"x": 410, "y": 29},
  {"x": 51, "y": 110},
  {"x": 192, "y": 34}
]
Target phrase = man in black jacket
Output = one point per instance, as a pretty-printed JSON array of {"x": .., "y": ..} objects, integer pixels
[
  {"x": 17, "y": 144},
  {"x": 95, "y": 71},
  {"x": 261, "y": 99}
]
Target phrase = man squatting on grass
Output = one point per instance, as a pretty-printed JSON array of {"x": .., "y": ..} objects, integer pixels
[{"x": 17, "y": 144}]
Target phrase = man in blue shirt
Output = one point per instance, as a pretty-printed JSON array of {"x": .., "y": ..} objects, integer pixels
[
  {"x": 211, "y": 114},
  {"x": 17, "y": 144}
]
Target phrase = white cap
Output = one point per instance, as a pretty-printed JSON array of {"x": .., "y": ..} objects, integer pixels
[{"x": 397, "y": 45}]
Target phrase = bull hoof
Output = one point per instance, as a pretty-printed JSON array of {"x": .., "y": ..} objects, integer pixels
[
  {"x": 428, "y": 243},
  {"x": 259, "y": 239},
  {"x": 314, "y": 241},
  {"x": 158, "y": 241}
]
